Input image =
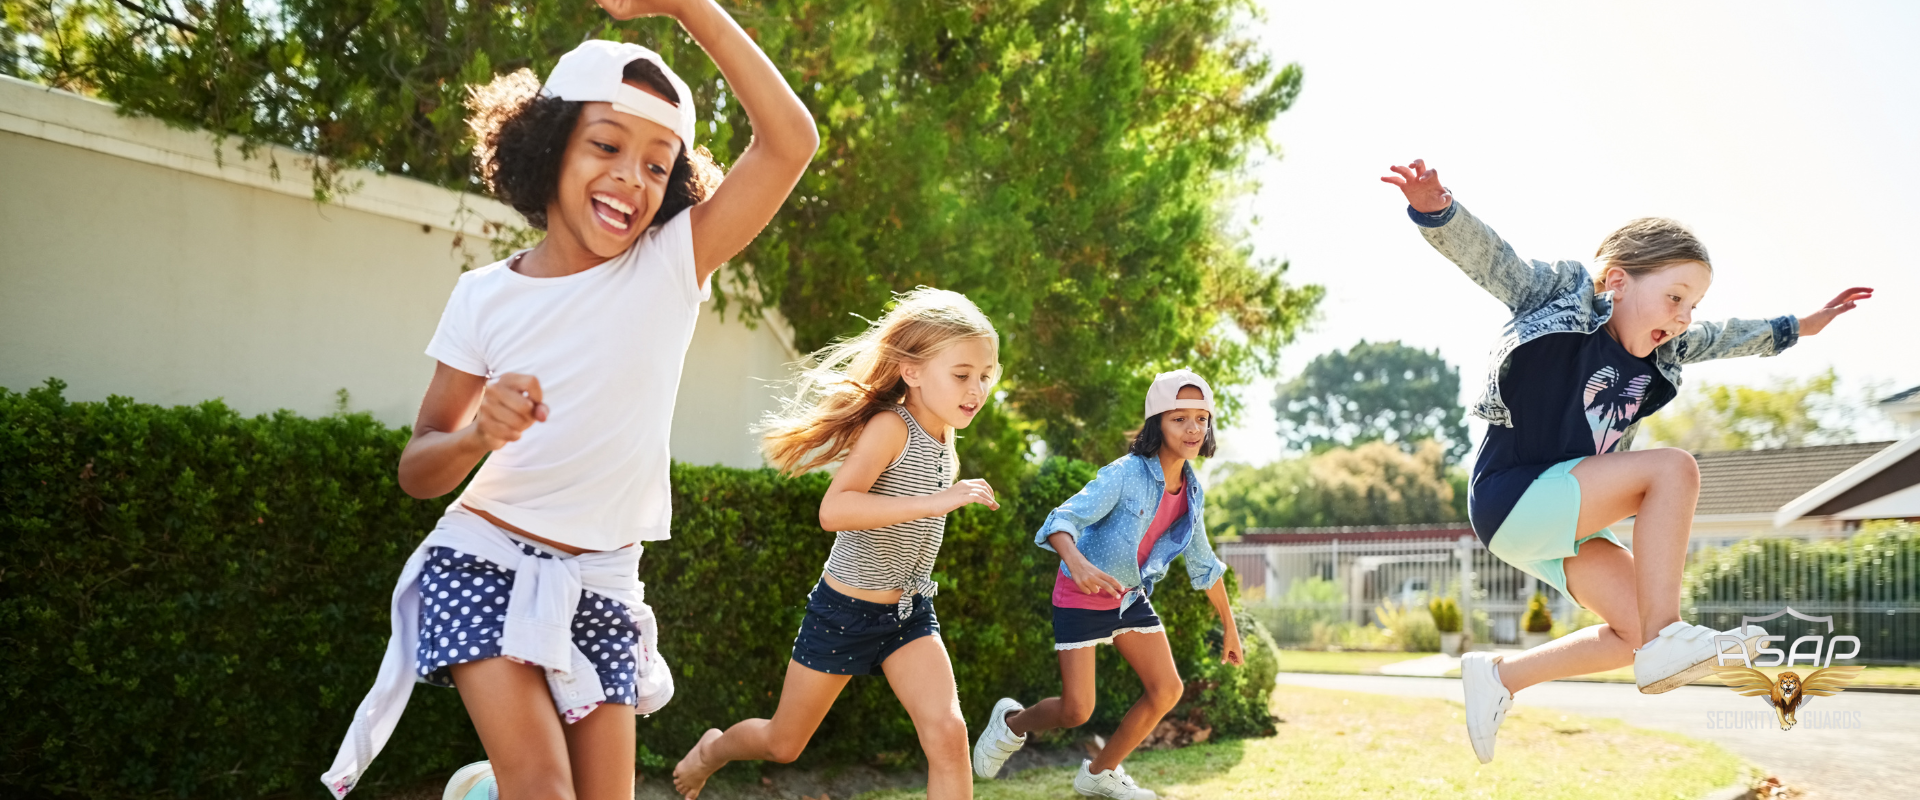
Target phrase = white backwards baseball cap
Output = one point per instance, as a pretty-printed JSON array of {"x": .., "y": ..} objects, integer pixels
[
  {"x": 593, "y": 72},
  {"x": 1164, "y": 394}
]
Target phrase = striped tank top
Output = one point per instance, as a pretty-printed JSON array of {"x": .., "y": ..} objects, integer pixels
[{"x": 900, "y": 556}]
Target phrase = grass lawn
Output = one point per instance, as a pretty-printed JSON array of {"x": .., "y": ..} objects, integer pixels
[
  {"x": 1357, "y": 662},
  {"x": 1346, "y": 745}
]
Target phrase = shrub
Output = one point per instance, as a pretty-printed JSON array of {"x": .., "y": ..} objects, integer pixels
[
  {"x": 194, "y": 602},
  {"x": 1874, "y": 571},
  {"x": 1537, "y": 619},
  {"x": 1446, "y": 614},
  {"x": 1310, "y": 605},
  {"x": 1411, "y": 630}
]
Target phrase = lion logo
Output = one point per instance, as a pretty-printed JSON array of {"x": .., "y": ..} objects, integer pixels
[{"x": 1789, "y": 694}]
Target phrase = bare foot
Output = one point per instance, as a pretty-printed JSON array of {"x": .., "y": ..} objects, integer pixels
[{"x": 691, "y": 774}]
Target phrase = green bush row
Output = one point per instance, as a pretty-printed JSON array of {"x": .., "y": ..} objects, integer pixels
[
  {"x": 1868, "y": 582},
  {"x": 192, "y": 602}
]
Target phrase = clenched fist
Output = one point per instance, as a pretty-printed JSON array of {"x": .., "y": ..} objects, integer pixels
[{"x": 509, "y": 407}]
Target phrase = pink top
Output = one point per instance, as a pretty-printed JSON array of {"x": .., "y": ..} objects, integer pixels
[{"x": 1066, "y": 594}]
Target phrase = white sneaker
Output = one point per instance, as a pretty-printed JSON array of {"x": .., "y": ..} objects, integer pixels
[
  {"x": 1683, "y": 653},
  {"x": 472, "y": 782},
  {"x": 1488, "y": 701},
  {"x": 997, "y": 741},
  {"x": 1115, "y": 783}
]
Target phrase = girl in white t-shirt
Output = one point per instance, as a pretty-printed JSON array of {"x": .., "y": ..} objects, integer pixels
[
  {"x": 888, "y": 401},
  {"x": 562, "y": 362}
]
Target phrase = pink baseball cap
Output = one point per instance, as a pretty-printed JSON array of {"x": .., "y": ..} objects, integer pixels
[
  {"x": 1164, "y": 394},
  {"x": 594, "y": 73}
]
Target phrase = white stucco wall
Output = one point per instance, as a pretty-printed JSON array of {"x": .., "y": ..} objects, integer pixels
[{"x": 138, "y": 262}]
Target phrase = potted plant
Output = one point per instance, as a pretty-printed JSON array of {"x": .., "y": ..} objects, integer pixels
[
  {"x": 1446, "y": 617},
  {"x": 1537, "y": 624}
]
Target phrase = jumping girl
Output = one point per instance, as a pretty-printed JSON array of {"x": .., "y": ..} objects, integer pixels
[
  {"x": 1553, "y": 470},
  {"x": 562, "y": 362},
  {"x": 889, "y": 401},
  {"x": 1116, "y": 539}
]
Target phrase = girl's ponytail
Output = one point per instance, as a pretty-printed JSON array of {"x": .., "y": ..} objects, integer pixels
[{"x": 844, "y": 384}]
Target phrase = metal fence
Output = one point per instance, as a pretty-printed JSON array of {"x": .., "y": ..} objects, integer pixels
[{"x": 1871, "y": 590}]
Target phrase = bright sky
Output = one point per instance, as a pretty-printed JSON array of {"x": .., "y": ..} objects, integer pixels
[{"x": 1783, "y": 133}]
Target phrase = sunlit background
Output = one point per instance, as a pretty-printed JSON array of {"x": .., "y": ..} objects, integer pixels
[{"x": 1781, "y": 132}]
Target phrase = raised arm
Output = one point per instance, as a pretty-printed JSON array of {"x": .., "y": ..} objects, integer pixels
[
  {"x": 784, "y": 137},
  {"x": 1733, "y": 338},
  {"x": 1475, "y": 248}
]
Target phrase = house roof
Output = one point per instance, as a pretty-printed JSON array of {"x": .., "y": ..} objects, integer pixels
[
  {"x": 1762, "y": 481},
  {"x": 1909, "y": 395},
  {"x": 1891, "y": 470}
]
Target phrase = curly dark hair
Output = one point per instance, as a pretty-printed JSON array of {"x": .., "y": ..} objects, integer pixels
[
  {"x": 521, "y": 136},
  {"x": 1147, "y": 443}
]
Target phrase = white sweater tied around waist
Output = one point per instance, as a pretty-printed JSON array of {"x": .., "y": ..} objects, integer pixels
[{"x": 538, "y": 631}]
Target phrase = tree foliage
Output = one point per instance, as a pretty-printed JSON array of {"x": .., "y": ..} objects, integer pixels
[
  {"x": 1383, "y": 391},
  {"x": 1791, "y": 413},
  {"x": 1374, "y": 484},
  {"x": 1065, "y": 164}
]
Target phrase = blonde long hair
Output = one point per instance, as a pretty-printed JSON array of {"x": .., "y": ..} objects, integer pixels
[{"x": 844, "y": 384}]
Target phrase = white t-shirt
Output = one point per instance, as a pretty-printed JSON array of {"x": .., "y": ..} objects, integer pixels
[{"x": 607, "y": 346}]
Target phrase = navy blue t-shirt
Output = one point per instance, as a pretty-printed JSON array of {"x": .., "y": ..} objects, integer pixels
[{"x": 1571, "y": 395}]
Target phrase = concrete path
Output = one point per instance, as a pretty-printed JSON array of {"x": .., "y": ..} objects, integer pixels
[
  {"x": 1878, "y": 761},
  {"x": 1433, "y": 666}
]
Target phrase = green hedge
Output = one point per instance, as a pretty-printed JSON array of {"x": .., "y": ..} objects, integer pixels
[
  {"x": 1868, "y": 582},
  {"x": 192, "y": 602}
]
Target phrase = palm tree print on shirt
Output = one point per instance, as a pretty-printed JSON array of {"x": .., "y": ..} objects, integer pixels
[{"x": 1611, "y": 407}]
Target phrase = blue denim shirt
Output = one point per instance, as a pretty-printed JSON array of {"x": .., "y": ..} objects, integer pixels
[
  {"x": 1560, "y": 298},
  {"x": 1109, "y": 517}
]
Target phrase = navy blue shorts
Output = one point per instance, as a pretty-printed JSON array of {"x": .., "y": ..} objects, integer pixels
[
  {"x": 844, "y": 635},
  {"x": 1074, "y": 628},
  {"x": 463, "y": 607}
]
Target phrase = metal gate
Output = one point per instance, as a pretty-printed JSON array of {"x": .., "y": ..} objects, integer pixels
[
  {"x": 1869, "y": 584},
  {"x": 1351, "y": 582}
]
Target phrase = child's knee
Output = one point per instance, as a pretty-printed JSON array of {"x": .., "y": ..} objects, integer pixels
[
  {"x": 786, "y": 751},
  {"x": 1678, "y": 466},
  {"x": 945, "y": 735},
  {"x": 1075, "y": 711},
  {"x": 1165, "y": 694}
]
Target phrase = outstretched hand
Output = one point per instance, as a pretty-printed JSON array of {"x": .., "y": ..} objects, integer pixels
[
  {"x": 1844, "y": 302},
  {"x": 1421, "y": 186}
]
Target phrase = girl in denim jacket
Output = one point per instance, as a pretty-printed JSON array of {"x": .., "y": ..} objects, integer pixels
[
  {"x": 1116, "y": 539},
  {"x": 1583, "y": 360}
]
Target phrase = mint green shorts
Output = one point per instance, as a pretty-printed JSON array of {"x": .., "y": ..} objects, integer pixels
[{"x": 1542, "y": 530}]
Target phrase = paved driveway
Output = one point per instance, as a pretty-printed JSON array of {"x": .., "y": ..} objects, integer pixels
[{"x": 1879, "y": 761}]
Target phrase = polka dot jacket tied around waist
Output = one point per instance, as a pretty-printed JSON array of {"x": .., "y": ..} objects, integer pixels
[{"x": 542, "y": 626}]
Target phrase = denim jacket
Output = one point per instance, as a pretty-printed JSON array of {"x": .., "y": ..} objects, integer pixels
[
  {"x": 1109, "y": 517},
  {"x": 1560, "y": 298}
]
